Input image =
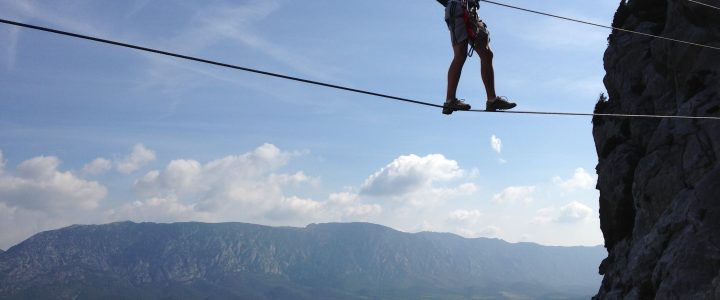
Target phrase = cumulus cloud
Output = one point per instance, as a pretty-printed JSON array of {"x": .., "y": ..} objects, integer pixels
[
  {"x": 247, "y": 182},
  {"x": 17, "y": 224},
  {"x": 410, "y": 173},
  {"x": 296, "y": 207},
  {"x": 38, "y": 196},
  {"x": 343, "y": 198},
  {"x": 97, "y": 166},
  {"x": 572, "y": 212},
  {"x": 137, "y": 159},
  {"x": 496, "y": 143},
  {"x": 246, "y": 187},
  {"x": 580, "y": 180},
  {"x": 294, "y": 179},
  {"x": 515, "y": 194},
  {"x": 38, "y": 185},
  {"x": 251, "y": 187}
]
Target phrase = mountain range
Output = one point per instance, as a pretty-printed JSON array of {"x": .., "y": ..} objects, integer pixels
[{"x": 321, "y": 261}]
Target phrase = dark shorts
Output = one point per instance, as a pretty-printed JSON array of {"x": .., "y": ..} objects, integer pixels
[{"x": 455, "y": 19}]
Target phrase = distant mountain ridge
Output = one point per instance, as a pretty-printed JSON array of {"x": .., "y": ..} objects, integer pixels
[{"x": 321, "y": 261}]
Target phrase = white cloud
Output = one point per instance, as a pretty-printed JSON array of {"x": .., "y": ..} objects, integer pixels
[
  {"x": 342, "y": 198},
  {"x": 244, "y": 187},
  {"x": 37, "y": 196},
  {"x": 40, "y": 186},
  {"x": 293, "y": 179},
  {"x": 572, "y": 212},
  {"x": 246, "y": 180},
  {"x": 410, "y": 173},
  {"x": 515, "y": 194},
  {"x": 496, "y": 143},
  {"x": 137, "y": 159},
  {"x": 466, "y": 217},
  {"x": 580, "y": 180},
  {"x": 464, "y": 189},
  {"x": 17, "y": 224},
  {"x": 469, "y": 223},
  {"x": 362, "y": 211},
  {"x": 296, "y": 208},
  {"x": 97, "y": 166},
  {"x": 545, "y": 215},
  {"x": 158, "y": 209}
]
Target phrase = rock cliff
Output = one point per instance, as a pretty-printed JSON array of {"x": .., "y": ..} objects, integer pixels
[{"x": 659, "y": 179}]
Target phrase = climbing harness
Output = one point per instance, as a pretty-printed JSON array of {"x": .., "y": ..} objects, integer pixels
[{"x": 476, "y": 29}]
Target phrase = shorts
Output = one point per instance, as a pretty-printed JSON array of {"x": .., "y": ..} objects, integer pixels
[{"x": 455, "y": 19}]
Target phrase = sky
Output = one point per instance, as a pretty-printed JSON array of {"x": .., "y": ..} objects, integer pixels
[{"x": 93, "y": 133}]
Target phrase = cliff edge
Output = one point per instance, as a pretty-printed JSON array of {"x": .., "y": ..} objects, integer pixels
[{"x": 659, "y": 179}]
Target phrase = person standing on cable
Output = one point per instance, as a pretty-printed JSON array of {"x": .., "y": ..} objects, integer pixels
[{"x": 466, "y": 29}]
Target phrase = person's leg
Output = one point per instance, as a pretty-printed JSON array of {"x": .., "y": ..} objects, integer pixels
[
  {"x": 454, "y": 17},
  {"x": 488, "y": 77},
  {"x": 487, "y": 72},
  {"x": 455, "y": 70}
]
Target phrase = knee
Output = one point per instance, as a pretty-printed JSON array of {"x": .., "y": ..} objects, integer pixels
[
  {"x": 459, "y": 58},
  {"x": 486, "y": 54}
]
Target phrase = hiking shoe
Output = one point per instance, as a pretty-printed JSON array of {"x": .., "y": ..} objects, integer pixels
[
  {"x": 500, "y": 103},
  {"x": 453, "y": 105}
]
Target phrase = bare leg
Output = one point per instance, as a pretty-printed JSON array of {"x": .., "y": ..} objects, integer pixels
[
  {"x": 459, "y": 56},
  {"x": 487, "y": 72}
]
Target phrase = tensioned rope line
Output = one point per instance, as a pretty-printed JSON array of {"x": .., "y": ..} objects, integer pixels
[
  {"x": 271, "y": 74},
  {"x": 600, "y": 25},
  {"x": 708, "y": 5},
  {"x": 207, "y": 61}
]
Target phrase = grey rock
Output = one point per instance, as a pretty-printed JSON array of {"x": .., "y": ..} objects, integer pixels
[{"x": 659, "y": 180}]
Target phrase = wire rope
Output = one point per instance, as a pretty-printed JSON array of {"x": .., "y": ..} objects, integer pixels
[
  {"x": 708, "y": 5},
  {"x": 324, "y": 84},
  {"x": 600, "y": 25}
]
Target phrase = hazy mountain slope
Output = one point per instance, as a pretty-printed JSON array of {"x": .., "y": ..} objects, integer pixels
[{"x": 326, "y": 261}]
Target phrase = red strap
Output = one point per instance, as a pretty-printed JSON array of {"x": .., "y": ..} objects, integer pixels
[{"x": 468, "y": 26}]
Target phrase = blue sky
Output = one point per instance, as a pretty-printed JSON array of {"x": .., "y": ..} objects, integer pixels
[{"x": 91, "y": 133}]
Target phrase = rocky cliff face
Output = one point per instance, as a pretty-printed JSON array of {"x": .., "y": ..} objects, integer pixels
[{"x": 659, "y": 179}]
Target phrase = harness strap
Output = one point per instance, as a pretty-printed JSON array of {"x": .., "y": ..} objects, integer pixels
[{"x": 470, "y": 17}]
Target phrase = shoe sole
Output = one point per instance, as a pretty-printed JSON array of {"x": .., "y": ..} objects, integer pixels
[
  {"x": 449, "y": 110},
  {"x": 501, "y": 109}
]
